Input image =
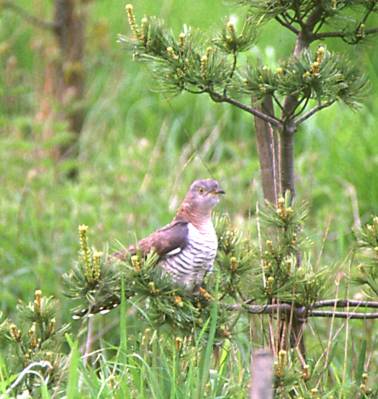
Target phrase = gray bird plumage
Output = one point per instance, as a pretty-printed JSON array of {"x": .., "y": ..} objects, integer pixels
[{"x": 187, "y": 246}]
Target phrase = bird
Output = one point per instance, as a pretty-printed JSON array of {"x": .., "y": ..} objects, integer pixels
[{"x": 187, "y": 246}]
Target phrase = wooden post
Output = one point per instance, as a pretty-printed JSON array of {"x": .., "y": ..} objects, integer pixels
[{"x": 261, "y": 375}]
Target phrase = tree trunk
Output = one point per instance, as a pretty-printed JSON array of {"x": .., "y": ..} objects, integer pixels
[
  {"x": 267, "y": 143},
  {"x": 64, "y": 78},
  {"x": 287, "y": 161},
  {"x": 70, "y": 75}
]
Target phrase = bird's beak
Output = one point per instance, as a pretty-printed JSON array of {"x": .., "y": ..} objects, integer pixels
[{"x": 220, "y": 191}]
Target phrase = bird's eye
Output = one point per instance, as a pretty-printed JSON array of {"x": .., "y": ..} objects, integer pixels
[{"x": 201, "y": 190}]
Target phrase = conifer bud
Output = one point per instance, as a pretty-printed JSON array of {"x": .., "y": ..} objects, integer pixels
[
  {"x": 51, "y": 326},
  {"x": 144, "y": 29},
  {"x": 132, "y": 23},
  {"x": 37, "y": 301},
  {"x": 171, "y": 53},
  {"x": 306, "y": 75},
  {"x": 205, "y": 294},
  {"x": 96, "y": 272},
  {"x": 320, "y": 54},
  {"x": 279, "y": 71},
  {"x": 178, "y": 301},
  {"x": 85, "y": 253},
  {"x": 135, "y": 261},
  {"x": 233, "y": 264},
  {"x": 178, "y": 343},
  {"x": 204, "y": 64},
  {"x": 361, "y": 31},
  {"x": 15, "y": 332},
  {"x": 33, "y": 336},
  {"x": 269, "y": 284},
  {"x": 289, "y": 211},
  {"x": 315, "y": 68},
  {"x": 152, "y": 288},
  {"x": 231, "y": 29},
  {"x": 182, "y": 38}
]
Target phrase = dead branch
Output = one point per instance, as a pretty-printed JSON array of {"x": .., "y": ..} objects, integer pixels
[
  {"x": 343, "y": 303},
  {"x": 301, "y": 312}
]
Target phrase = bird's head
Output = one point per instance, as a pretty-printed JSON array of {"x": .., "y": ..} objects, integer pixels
[{"x": 202, "y": 196}]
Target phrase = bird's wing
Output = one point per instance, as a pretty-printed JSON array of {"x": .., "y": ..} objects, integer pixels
[
  {"x": 170, "y": 238},
  {"x": 167, "y": 240}
]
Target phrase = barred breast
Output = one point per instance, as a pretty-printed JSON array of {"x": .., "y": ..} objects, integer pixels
[{"x": 188, "y": 266}]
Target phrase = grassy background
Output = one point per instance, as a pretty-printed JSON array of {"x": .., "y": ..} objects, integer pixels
[{"x": 139, "y": 151}]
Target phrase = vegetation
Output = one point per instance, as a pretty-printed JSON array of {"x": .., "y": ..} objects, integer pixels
[{"x": 138, "y": 152}]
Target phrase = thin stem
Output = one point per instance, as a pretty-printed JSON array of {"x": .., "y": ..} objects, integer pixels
[
  {"x": 306, "y": 99},
  {"x": 312, "y": 112},
  {"x": 33, "y": 20},
  {"x": 287, "y": 25},
  {"x": 277, "y": 101},
  {"x": 233, "y": 68},
  {"x": 194, "y": 91}
]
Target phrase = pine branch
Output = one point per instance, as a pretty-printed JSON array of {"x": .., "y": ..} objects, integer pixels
[
  {"x": 267, "y": 118},
  {"x": 32, "y": 19},
  {"x": 342, "y": 34}
]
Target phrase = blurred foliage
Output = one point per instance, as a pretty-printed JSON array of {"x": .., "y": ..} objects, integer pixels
[
  {"x": 32, "y": 346},
  {"x": 368, "y": 242},
  {"x": 138, "y": 153}
]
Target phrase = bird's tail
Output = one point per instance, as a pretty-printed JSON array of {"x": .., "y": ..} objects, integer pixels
[{"x": 98, "y": 308}]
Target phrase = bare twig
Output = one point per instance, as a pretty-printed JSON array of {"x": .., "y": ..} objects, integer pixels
[
  {"x": 343, "y": 303},
  {"x": 233, "y": 68},
  {"x": 267, "y": 118},
  {"x": 342, "y": 315},
  {"x": 32, "y": 19},
  {"x": 313, "y": 111},
  {"x": 303, "y": 312},
  {"x": 287, "y": 25}
]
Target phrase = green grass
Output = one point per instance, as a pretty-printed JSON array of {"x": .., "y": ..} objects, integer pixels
[{"x": 139, "y": 151}]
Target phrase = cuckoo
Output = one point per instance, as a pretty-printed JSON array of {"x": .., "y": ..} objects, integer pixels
[{"x": 187, "y": 246}]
